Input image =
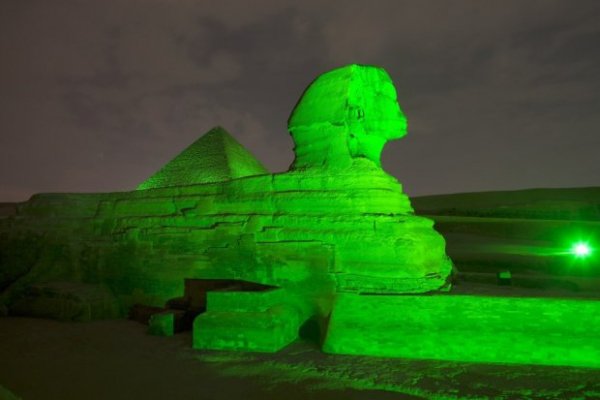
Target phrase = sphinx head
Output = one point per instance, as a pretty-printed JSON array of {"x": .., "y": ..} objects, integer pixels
[{"x": 344, "y": 114}]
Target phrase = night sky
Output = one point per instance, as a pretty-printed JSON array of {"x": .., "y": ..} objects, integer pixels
[{"x": 97, "y": 95}]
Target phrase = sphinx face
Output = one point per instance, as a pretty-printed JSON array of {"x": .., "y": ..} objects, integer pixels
[
  {"x": 359, "y": 99},
  {"x": 374, "y": 116}
]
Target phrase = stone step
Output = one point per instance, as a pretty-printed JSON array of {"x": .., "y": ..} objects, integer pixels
[{"x": 262, "y": 331}]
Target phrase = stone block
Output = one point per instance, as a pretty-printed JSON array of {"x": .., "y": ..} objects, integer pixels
[
  {"x": 66, "y": 301},
  {"x": 245, "y": 301},
  {"x": 266, "y": 331},
  {"x": 468, "y": 328},
  {"x": 162, "y": 324}
]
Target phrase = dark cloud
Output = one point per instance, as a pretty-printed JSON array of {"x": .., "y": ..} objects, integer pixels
[{"x": 96, "y": 95}]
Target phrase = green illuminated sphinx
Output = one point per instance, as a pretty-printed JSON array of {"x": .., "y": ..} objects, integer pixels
[{"x": 264, "y": 255}]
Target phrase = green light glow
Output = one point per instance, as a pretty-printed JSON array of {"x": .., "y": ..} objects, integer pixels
[
  {"x": 332, "y": 242},
  {"x": 581, "y": 250}
]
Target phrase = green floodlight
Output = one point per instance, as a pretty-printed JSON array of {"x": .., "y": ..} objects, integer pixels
[{"x": 581, "y": 250}]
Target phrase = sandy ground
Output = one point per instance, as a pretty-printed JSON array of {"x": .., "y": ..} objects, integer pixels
[{"x": 44, "y": 359}]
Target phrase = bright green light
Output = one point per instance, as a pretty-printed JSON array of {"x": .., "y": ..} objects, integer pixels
[{"x": 581, "y": 250}]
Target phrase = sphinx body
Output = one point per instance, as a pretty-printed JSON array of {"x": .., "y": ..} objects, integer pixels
[{"x": 334, "y": 223}]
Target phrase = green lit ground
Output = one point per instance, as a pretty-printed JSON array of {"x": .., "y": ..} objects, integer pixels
[{"x": 44, "y": 359}]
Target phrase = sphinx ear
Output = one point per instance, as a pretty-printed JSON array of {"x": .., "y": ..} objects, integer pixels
[
  {"x": 360, "y": 113},
  {"x": 355, "y": 122},
  {"x": 356, "y": 113}
]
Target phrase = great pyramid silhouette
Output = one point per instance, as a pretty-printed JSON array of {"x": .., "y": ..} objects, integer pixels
[{"x": 215, "y": 157}]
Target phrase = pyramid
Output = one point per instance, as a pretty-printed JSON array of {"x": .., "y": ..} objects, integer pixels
[{"x": 215, "y": 157}]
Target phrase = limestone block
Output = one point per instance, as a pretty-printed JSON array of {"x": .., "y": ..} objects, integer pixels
[
  {"x": 66, "y": 301},
  {"x": 162, "y": 324},
  {"x": 547, "y": 331},
  {"x": 245, "y": 301},
  {"x": 266, "y": 331},
  {"x": 19, "y": 252},
  {"x": 142, "y": 313}
]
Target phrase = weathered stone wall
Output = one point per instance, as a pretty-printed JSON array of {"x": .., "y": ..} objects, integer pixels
[{"x": 313, "y": 231}]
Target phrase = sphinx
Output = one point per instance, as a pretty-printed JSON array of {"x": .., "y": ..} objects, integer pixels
[{"x": 257, "y": 257}]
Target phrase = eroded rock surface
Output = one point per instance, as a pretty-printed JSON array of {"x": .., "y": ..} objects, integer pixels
[{"x": 335, "y": 222}]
